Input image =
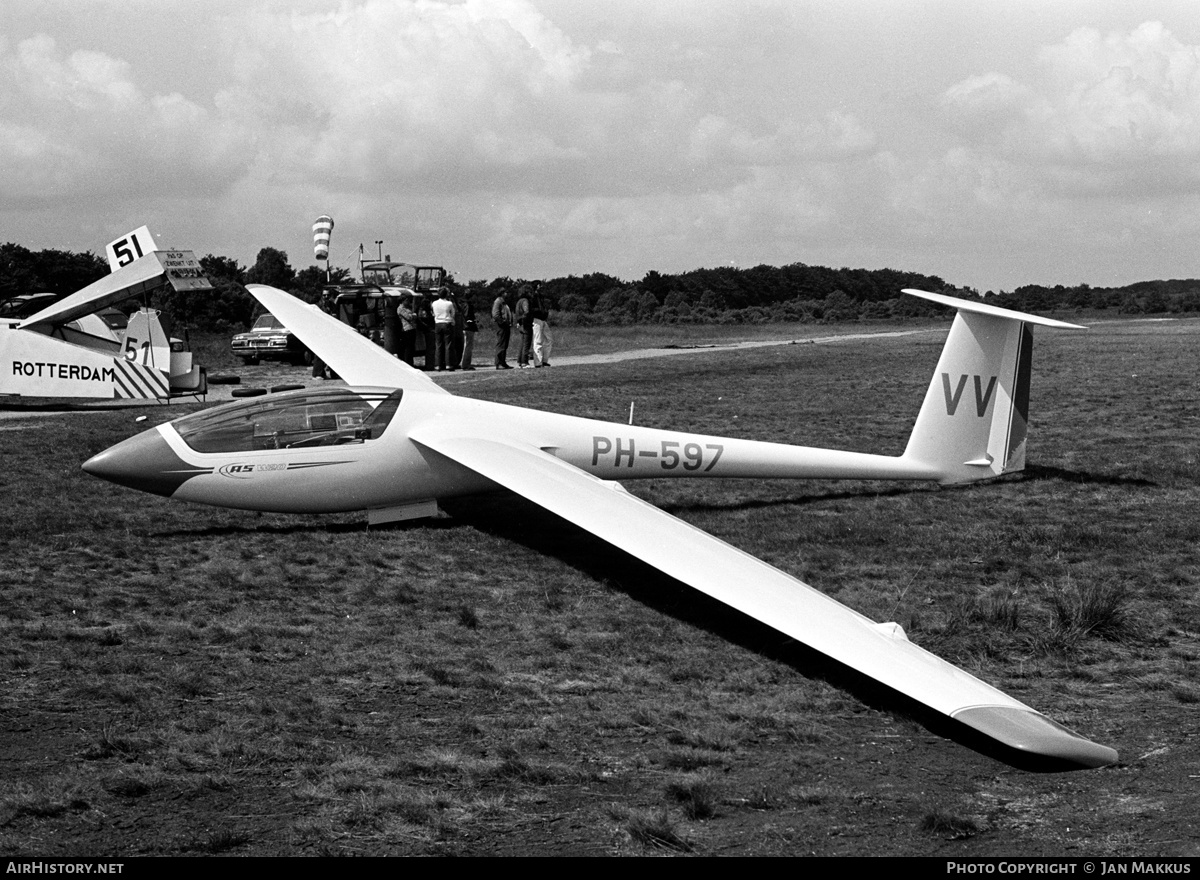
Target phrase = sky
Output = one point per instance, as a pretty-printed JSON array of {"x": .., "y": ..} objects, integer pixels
[{"x": 993, "y": 144}]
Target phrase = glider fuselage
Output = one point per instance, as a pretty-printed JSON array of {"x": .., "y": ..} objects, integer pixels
[{"x": 338, "y": 449}]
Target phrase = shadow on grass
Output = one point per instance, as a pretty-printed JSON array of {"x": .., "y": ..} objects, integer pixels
[
  {"x": 309, "y": 528},
  {"x": 509, "y": 517},
  {"x": 512, "y": 518},
  {"x": 860, "y": 491},
  {"x": 1046, "y": 472},
  {"x": 818, "y": 497}
]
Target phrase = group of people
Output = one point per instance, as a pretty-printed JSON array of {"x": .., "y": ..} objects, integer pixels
[
  {"x": 530, "y": 315},
  {"x": 446, "y": 325}
]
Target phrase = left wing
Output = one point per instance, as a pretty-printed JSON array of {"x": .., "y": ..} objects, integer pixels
[
  {"x": 751, "y": 586},
  {"x": 352, "y": 357}
]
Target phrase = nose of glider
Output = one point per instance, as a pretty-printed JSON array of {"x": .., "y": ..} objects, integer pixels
[{"x": 145, "y": 462}]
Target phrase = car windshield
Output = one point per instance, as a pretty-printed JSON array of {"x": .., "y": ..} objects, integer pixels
[
  {"x": 26, "y": 305},
  {"x": 298, "y": 419},
  {"x": 268, "y": 322}
]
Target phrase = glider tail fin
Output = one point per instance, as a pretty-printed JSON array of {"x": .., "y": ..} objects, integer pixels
[
  {"x": 145, "y": 342},
  {"x": 973, "y": 422}
]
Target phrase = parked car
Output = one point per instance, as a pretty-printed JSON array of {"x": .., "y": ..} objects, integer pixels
[
  {"x": 268, "y": 339},
  {"x": 26, "y": 304}
]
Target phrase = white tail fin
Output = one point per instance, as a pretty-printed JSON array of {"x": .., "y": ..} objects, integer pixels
[
  {"x": 973, "y": 422},
  {"x": 145, "y": 342}
]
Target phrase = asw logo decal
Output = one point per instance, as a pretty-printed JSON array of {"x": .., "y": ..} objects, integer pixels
[{"x": 982, "y": 398}]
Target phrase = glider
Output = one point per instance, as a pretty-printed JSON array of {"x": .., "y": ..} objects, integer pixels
[
  {"x": 67, "y": 350},
  {"x": 392, "y": 442}
]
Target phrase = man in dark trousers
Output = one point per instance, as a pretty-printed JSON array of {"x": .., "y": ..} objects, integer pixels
[
  {"x": 443, "y": 328},
  {"x": 523, "y": 318},
  {"x": 503, "y": 318},
  {"x": 325, "y": 304}
]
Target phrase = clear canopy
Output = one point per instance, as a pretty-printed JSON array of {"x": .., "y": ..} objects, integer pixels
[{"x": 290, "y": 420}]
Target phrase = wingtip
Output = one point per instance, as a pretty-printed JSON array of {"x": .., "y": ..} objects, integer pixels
[{"x": 1033, "y": 734}]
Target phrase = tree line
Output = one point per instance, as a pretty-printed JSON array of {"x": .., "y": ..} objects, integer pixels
[{"x": 728, "y": 295}]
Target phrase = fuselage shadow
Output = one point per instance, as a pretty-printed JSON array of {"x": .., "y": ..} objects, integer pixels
[{"x": 1036, "y": 472}]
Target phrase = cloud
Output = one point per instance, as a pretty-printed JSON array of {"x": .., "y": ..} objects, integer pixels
[
  {"x": 497, "y": 124},
  {"x": 836, "y": 136},
  {"x": 1108, "y": 114},
  {"x": 489, "y": 96},
  {"x": 77, "y": 125},
  {"x": 386, "y": 94},
  {"x": 513, "y": 136}
]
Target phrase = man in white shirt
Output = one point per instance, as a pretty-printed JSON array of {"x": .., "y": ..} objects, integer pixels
[{"x": 443, "y": 328}]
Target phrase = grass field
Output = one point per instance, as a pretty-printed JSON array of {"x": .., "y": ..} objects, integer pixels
[{"x": 178, "y": 679}]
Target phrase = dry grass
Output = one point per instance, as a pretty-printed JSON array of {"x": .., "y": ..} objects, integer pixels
[
  {"x": 497, "y": 682},
  {"x": 949, "y": 825},
  {"x": 653, "y": 829}
]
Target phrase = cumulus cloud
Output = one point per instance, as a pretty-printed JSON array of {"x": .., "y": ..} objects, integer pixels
[
  {"x": 77, "y": 124},
  {"x": 386, "y": 93},
  {"x": 477, "y": 96},
  {"x": 1114, "y": 113},
  {"x": 516, "y": 136}
]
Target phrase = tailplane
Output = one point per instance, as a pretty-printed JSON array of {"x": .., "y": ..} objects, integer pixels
[{"x": 973, "y": 422}]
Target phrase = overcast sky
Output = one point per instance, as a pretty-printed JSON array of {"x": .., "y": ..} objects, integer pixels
[{"x": 992, "y": 143}]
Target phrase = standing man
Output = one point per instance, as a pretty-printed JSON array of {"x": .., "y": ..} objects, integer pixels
[
  {"x": 468, "y": 332},
  {"x": 542, "y": 343},
  {"x": 391, "y": 325},
  {"x": 327, "y": 305},
  {"x": 460, "y": 324},
  {"x": 422, "y": 306},
  {"x": 443, "y": 328},
  {"x": 524, "y": 319},
  {"x": 503, "y": 318},
  {"x": 408, "y": 328}
]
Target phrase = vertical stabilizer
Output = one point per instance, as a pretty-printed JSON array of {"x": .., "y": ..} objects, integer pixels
[
  {"x": 975, "y": 417},
  {"x": 145, "y": 342}
]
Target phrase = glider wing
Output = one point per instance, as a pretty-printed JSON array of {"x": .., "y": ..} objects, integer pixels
[
  {"x": 154, "y": 269},
  {"x": 355, "y": 359},
  {"x": 880, "y": 651}
]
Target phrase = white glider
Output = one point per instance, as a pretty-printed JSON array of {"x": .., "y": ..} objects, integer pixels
[
  {"x": 67, "y": 350},
  {"x": 393, "y": 442}
]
